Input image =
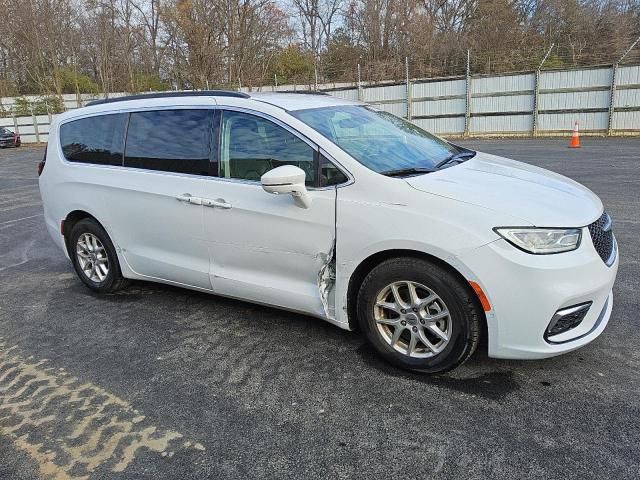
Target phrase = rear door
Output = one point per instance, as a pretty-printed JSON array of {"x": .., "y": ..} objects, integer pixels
[{"x": 156, "y": 215}]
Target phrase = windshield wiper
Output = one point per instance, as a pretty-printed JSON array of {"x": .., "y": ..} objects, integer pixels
[
  {"x": 407, "y": 171},
  {"x": 465, "y": 154}
]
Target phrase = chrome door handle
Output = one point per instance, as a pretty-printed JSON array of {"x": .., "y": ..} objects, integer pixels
[{"x": 218, "y": 203}]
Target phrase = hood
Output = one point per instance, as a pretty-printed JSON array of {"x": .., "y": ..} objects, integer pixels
[{"x": 535, "y": 195}]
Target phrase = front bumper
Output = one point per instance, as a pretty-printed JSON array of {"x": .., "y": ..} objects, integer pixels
[{"x": 525, "y": 291}]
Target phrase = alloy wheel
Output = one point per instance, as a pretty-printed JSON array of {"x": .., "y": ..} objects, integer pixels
[
  {"x": 92, "y": 257},
  {"x": 412, "y": 319}
]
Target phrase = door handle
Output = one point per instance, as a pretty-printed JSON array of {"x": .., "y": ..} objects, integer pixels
[
  {"x": 188, "y": 198},
  {"x": 218, "y": 203}
]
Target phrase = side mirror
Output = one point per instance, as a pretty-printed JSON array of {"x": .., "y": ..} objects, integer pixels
[{"x": 287, "y": 179}]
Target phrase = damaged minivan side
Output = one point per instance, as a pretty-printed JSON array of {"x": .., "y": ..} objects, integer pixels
[{"x": 334, "y": 209}]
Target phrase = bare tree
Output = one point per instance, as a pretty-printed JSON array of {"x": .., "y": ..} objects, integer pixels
[{"x": 57, "y": 46}]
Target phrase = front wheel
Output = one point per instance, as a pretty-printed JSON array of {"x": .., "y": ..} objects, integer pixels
[{"x": 419, "y": 315}]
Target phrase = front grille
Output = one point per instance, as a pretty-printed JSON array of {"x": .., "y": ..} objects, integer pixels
[{"x": 602, "y": 237}]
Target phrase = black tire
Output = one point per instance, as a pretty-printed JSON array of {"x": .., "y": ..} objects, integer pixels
[
  {"x": 114, "y": 280},
  {"x": 465, "y": 312}
]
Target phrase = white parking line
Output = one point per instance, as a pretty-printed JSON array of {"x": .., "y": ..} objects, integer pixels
[{"x": 21, "y": 219}]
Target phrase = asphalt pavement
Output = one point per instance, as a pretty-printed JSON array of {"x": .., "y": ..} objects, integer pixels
[{"x": 160, "y": 382}]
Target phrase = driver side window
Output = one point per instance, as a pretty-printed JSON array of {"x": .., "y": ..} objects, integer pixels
[{"x": 251, "y": 146}]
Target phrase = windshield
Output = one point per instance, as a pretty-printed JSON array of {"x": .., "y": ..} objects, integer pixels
[{"x": 378, "y": 140}]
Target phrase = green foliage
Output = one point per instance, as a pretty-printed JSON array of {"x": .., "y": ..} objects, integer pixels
[
  {"x": 43, "y": 105},
  {"x": 71, "y": 82},
  {"x": 340, "y": 60},
  {"x": 144, "y": 82},
  {"x": 50, "y": 104},
  {"x": 22, "y": 107},
  {"x": 291, "y": 65}
]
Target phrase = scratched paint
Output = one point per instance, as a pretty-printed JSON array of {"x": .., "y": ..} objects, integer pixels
[{"x": 69, "y": 427}]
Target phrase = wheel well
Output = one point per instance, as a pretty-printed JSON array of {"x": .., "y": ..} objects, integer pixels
[
  {"x": 70, "y": 221},
  {"x": 371, "y": 262}
]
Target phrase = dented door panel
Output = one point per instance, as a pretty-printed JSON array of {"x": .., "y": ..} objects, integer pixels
[{"x": 266, "y": 249}]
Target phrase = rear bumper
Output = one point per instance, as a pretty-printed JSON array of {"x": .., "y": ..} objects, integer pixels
[{"x": 525, "y": 292}]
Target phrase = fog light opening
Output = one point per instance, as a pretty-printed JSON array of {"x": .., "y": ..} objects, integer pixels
[{"x": 566, "y": 319}]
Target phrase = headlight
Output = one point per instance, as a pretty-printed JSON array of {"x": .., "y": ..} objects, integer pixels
[{"x": 542, "y": 241}]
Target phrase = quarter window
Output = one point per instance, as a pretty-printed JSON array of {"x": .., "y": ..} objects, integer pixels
[
  {"x": 170, "y": 140},
  {"x": 251, "y": 146},
  {"x": 330, "y": 174},
  {"x": 97, "y": 140}
]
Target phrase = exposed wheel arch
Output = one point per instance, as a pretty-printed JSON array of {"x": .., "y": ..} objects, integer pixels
[
  {"x": 370, "y": 262},
  {"x": 71, "y": 219}
]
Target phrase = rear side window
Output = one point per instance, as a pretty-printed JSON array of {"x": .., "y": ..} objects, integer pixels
[
  {"x": 98, "y": 140},
  {"x": 170, "y": 140}
]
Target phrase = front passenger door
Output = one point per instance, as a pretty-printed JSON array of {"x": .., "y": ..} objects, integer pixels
[{"x": 264, "y": 248}]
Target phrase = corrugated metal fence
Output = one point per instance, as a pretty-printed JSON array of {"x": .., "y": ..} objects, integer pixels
[
  {"x": 604, "y": 100},
  {"x": 536, "y": 103}
]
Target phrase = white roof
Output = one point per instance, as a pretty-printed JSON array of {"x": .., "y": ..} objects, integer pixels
[{"x": 300, "y": 101}]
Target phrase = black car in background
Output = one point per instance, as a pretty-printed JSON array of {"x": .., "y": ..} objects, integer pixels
[{"x": 9, "y": 138}]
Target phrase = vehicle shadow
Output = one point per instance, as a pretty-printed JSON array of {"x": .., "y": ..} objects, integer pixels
[{"x": 493, "y": 385}]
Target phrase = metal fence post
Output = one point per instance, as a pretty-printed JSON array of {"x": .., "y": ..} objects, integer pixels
[
  {"x": 15, "y": 123},
  {"x": 467, "y": 110},
  {"x": 536, "y": 92},
  {"x": 359, "y": 85},
  {"x": 612, "y": 98},
  {"x": 409, "y": 88},
  {"x": 35, "y": 125}
]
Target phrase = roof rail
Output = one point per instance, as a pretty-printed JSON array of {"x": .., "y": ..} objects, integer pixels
[
  {"x": 145, "y": 96},
  {"x": 301, "y": 92}
]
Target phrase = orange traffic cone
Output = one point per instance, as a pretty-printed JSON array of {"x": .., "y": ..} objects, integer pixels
[{"x": 575, "y": 138}]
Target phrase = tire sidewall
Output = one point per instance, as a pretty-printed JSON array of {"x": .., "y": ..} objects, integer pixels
[
  {"x": 445, "y": 285},
  {"x": 91, "y": 226}
]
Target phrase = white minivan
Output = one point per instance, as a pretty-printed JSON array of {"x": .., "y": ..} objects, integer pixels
[{"x": 334, "y": 209}]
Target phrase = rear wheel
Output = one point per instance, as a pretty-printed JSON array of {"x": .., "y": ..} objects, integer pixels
[
  {"x": 94, "y": 257},
  {"x": 419, "y": 315}
]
